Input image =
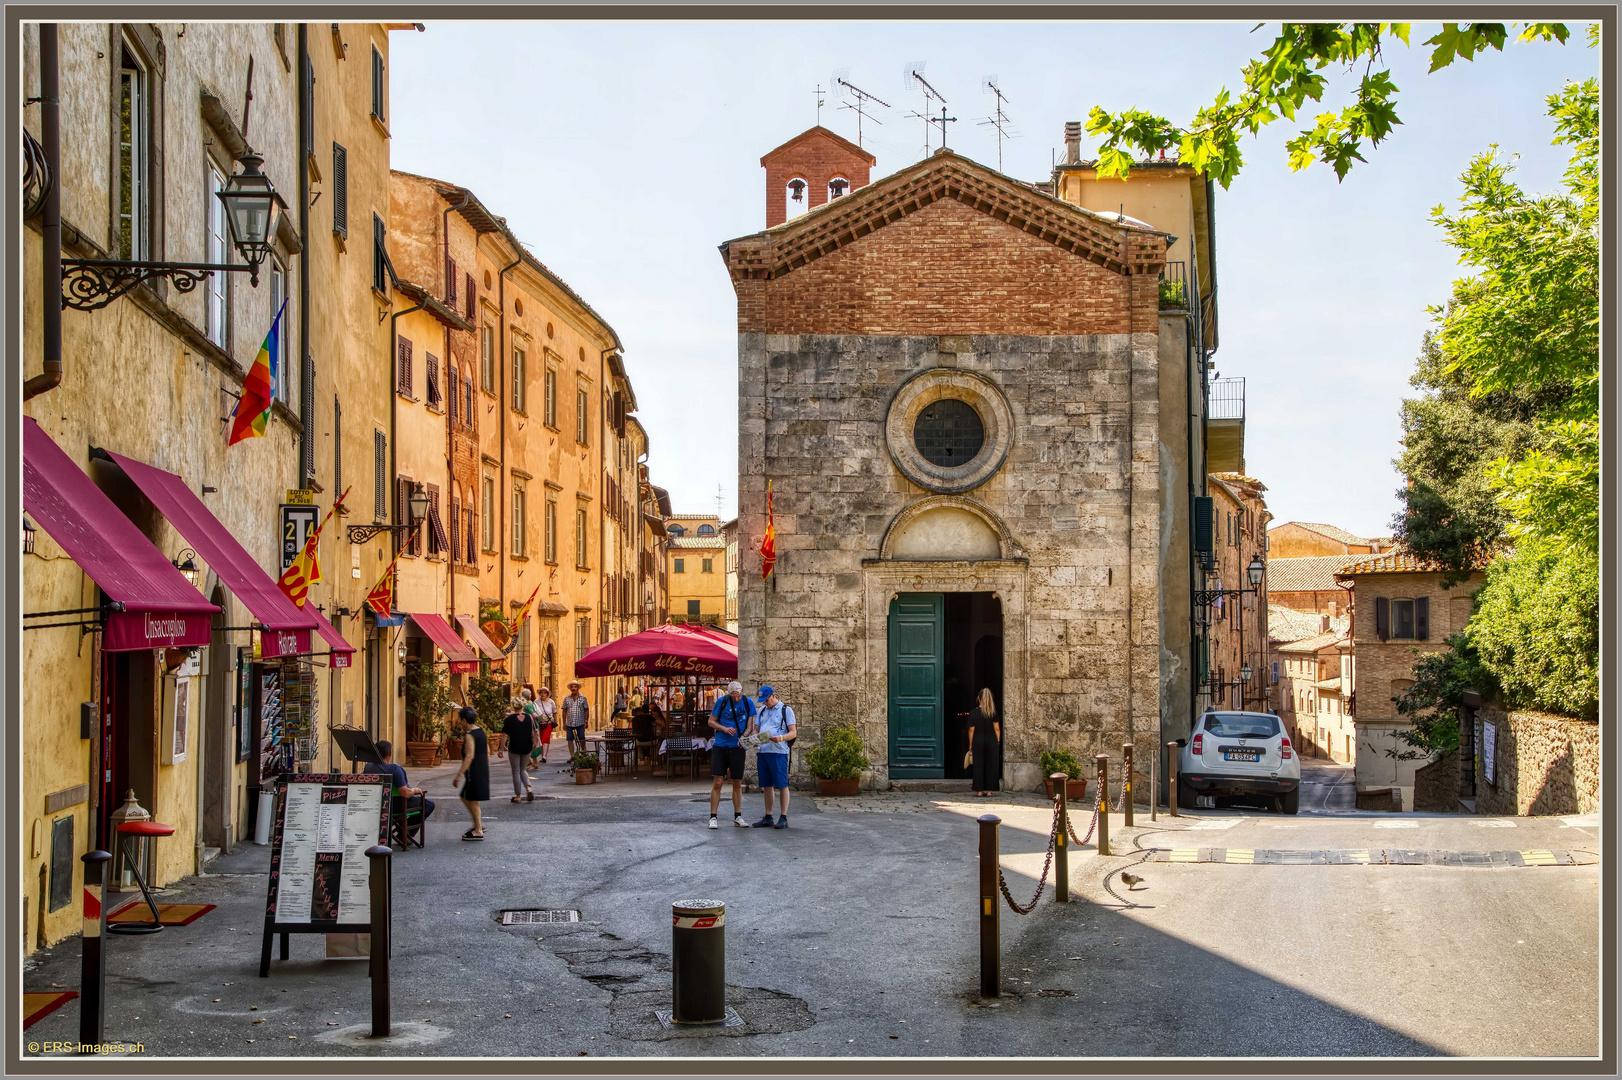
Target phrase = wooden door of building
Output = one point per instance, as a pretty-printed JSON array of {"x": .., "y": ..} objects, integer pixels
[{"x": 917, "y": 686}]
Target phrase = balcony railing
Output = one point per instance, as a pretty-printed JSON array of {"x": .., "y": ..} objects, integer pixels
[
  {"x": 1227, "y": 399},
  {"x": 1174, "y": 287}
]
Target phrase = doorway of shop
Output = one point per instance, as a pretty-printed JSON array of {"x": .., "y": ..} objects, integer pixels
[
  {"x": 944, "y": 649},
  {"x": 134, "y": 735}
]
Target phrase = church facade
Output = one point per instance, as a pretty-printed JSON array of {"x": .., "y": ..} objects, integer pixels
[{"x": 973, "y": 414}]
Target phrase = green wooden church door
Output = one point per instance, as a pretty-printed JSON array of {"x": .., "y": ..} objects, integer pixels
[{"x": 917, "y": 686}]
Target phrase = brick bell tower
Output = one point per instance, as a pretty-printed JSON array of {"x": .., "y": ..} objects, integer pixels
[{"x": 811, "y": 169}]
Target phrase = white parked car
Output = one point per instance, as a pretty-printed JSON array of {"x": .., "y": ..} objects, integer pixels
[{"x": 1239, "y": 753}]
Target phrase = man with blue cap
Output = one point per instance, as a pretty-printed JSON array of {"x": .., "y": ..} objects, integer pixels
[{"x": 774, "y": 724}]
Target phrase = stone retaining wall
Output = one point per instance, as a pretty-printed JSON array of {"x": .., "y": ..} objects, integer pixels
[{"x": 1545, "y": 764}]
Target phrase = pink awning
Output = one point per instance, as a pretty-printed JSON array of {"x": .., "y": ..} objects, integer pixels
[
  {"x": 663, "y": 650},
  {"x": 342, "y": 651},
  {"x": 287, "y": 629},
  {"x": 161, "y": 608},
  {"x": 475, "y": 633},
  {"x": 462, "y": 658}
]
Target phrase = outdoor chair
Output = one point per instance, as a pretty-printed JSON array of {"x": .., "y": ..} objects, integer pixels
[
  {"x": 407, "y": 826},
  {"x": 620, "y": 746},
  {"x": 679, "y": 748},
  {"x": 647, "y": 742}
]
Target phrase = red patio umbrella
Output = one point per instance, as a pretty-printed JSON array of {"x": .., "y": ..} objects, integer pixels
[{"x": 663, "y": 650}]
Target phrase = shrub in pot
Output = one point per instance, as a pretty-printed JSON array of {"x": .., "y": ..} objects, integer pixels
[
  {"x": 585, "y": 767},
  {"x": 837, "y": 762},
  {"x": 1062, "y": 761}
]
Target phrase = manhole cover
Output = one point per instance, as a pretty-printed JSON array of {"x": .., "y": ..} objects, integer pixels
[
  {"x": 732, "y": 1020},
  {"x": 539, "y": 915}
]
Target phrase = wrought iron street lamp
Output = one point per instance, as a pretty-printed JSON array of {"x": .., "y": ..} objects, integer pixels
[
  {"x": 251, "y": 205},
  {"x": 186, "y": 563},
  {"x": 418, "y": 509},
  {"x": 1257, "y": 570}
]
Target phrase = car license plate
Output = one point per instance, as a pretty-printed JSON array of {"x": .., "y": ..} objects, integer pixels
[{"x": 1241, "y": 755}]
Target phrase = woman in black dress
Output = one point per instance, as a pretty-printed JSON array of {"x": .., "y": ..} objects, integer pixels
[
  {"x": 476, "y": 767},
  {"x": 985, "y": 742}
]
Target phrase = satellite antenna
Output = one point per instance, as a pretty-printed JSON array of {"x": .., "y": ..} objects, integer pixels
[
  {"x": 859, "y": 103},
  {"x": 914, "y": 74},
  {"x": 998, "y": 119}
]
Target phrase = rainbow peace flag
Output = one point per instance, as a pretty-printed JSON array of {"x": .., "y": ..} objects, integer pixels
[{"x": 253, "y": 407}]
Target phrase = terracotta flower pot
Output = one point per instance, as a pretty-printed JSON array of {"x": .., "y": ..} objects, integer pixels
[
  {"x": 421, "y": 754},
  {"x": 1073, "y": 789},
  {"x": 453, "y": 749},
  {"x": 585, "y": 776},
  {"x": 838, "y": 787}
]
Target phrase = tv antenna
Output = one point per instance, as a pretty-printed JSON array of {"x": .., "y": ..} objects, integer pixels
[
  {"x": 859, "y": 104},
  {"x": 914, "y": 73},
  {"x": 819, "y": 91},
  {"x": 718, "y": 500},
  {"x": 998, "y": 119}
]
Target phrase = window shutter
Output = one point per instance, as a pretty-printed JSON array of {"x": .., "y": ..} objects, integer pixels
[
  {"x": 472, "y": 535},
  {"x": 379, "y": 281},
  {"x": 438, "y": 542},
  {"x": 380, "y": 498},
  {"x": 1203, "y": 540},
  {"x": 433, "y": 380},
  {"x": 340, "y": 191},
  {"x": 450, "y": 282},
  {"x": 456, "y": 530},
  {"x": 404, "y": 373},
  {"x": 454, "y": 386},
  {"x": 1422, "y": 618},
  {"x": 472, "y": 297},
  {"x": 1382, "y": 618},
  {"x": 402, "y": 511},
  {"x": 377, "y": 83}
]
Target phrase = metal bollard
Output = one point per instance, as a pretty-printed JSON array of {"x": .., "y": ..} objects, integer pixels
[
  {"x": 1126, "y": 782},
  {"x": 698, "y": 955},
  {"x": 1154, "y": 787},
  {"x": 1171, "y": 776},
  {"x": 990, "y": 961},
  {"x": 1103, "y": 799},
  {"x": 380, "y": 918},
  {"x": 92, "y": 965},
  {"x": 1061, "y": 842}
]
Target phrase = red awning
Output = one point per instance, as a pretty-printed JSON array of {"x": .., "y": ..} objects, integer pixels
[
  {"x": 439, "y": 631},
  {"x": 475, "y": 634},
  {"x": 162, "y": 610},
  {"x": 287, "y": 629},
  {"x": 342, "y": 651},
  {"x": 663, "y": 650}
]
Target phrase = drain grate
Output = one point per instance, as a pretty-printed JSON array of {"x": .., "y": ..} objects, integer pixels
[{"x": 532, "y": 916}]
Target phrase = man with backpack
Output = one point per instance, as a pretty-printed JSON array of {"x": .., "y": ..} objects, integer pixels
[{"x": 730, "y": 720}]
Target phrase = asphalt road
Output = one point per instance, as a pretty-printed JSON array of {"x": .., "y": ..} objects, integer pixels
[{"x": 853, "y": 933}]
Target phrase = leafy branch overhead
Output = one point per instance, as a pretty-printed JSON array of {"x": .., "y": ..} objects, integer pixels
[{"x": 1278, "y": 85}]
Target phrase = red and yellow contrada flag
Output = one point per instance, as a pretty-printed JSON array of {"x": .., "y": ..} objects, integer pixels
[
  {"x": 768, "y": 542},
  {"x": 305, "y": 570},
  {"x": 381, "y": 598},
  {"x": 253, "y": 407},
  {"x": 518, "y": 620}
]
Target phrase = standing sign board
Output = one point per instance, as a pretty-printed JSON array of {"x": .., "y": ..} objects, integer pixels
[
  {"x": 320, "y": 877},
  {"x": 298, "y": 522},
  {"x": 1489, "y": 752}
]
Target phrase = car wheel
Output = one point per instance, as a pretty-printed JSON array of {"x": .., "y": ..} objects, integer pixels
[
  {"x": 1291, "y": 803},
  {"x": 1185, "y": 797}
]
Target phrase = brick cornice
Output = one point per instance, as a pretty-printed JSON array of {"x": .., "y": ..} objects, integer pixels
[{"x": 1125, "y": 250}]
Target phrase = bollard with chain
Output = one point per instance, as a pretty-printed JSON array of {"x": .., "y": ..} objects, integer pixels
[
  {"x": 990, "y": 873},
  {"x": 93, "y": 967},
  {"x": 1126, "y": 782},
  {"x": 1103, "y": 799},
  {"x": 1171, "y": 773},
  {"x": 378, "y": 856},
  {"x": 1061, "y": 852}
]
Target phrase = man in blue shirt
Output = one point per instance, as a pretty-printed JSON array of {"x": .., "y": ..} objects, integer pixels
[
  {"x": 730, "y": 720},
  {"x": 775, "y": 725},
  {"x": 414, "y": 796}
]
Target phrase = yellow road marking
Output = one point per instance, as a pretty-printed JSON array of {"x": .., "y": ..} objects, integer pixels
[
  {"x": 1538, "y": 857},
  {"x": 1187, "y": 854},
  {"x": 1241, "y": 855}
]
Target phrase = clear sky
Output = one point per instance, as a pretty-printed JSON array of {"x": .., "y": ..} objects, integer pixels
[{"x": 623, "y": 153}]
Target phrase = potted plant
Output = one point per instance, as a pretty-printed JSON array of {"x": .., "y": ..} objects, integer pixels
[
  {"x": 490, "y": 697},
  {"x": 585, "y": 767},
  {"x": 1062, "y": 761},
  {"x": 837, "y": 762},
  {"x": 428, "y": 702}
]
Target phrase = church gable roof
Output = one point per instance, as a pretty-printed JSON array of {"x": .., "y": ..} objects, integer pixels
[
  {"x": 820, "y": 132},
  {"x": 1124, "y": 249}
]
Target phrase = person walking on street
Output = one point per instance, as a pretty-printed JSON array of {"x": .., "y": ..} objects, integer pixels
[
  {"x": 730, "y": 719},
  {"x": 545, "y": 712},
  {"x": 476, "y": 767},
  {"x": 576, "y": 711},
  {"x": 519, "y": 728},
  {"x": 774, "y": 723},
  {"x": 985, "y": 743}
]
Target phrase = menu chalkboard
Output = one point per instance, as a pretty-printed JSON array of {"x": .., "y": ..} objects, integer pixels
[{"x": 320, "y": 875}]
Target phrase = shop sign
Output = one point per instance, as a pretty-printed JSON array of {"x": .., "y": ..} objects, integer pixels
[
  {"x": 340, "y": 660},
  {"x": 298, "y": 522},
  {"x": 301, "y": 496},
  {"x": 274, "y": 643},
  {"x": 129, "y": 630}
]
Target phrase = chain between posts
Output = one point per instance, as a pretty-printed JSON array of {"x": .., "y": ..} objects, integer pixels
[{"x": 1042, "y": 883}]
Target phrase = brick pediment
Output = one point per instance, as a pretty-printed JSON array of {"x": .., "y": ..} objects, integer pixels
[{"x": 771, "y": 254}]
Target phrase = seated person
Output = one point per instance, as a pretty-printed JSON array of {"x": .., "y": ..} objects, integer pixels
[{"x": 414, "y": 796}]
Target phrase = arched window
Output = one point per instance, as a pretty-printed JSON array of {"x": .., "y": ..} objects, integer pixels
[
  {"x": 706, "y": 530},
  {"x": 549, "y": 668},
  {"x": 675, "y": 530},
  {"x": 836, "y": 187},
  {"x": 797, "y": 196}
]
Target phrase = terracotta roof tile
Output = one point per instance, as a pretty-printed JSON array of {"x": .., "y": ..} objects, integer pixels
[
  {"x": 1312, "y": 644},
  {"x": 1393, "y": 562},
  {"x": 1313, "y": 573},
  {"x": 1332, "y": 531},
  {"x": 1285, "y": 625}
]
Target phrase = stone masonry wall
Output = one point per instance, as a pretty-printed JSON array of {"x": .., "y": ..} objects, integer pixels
[
  {"x": 1078, "y": 494},
  {"x": 1545, "y": 764}
]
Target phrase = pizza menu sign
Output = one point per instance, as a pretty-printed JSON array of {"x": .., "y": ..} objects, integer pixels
[{"x": 319, "y": 872}]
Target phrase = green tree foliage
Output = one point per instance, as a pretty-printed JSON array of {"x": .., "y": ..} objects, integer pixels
[
  {"x": 1440, "y": 680},
  {"x": 428, "y": 702},
  {"x": 1536, "y": 628},
  {"x": 1279, "y": 84},
  {"x": 490, "y": 697}
]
